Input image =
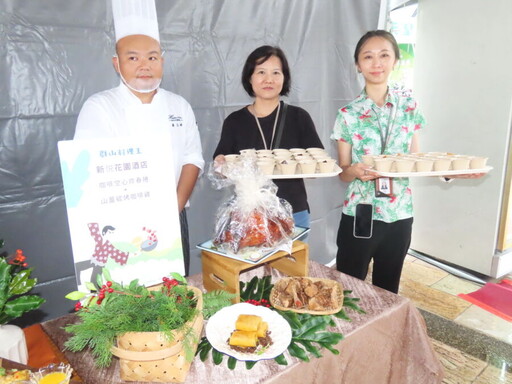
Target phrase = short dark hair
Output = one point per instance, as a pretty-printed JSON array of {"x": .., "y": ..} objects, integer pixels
[
  {"x": 107, "y": 228},
  {"x": 259, "y": 56},
  {"x": 377, "y": 33}
]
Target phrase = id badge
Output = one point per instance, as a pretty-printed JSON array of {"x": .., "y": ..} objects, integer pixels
[
  {"x": 384, "y": 187},
  {"x": 363, "y": 221}
]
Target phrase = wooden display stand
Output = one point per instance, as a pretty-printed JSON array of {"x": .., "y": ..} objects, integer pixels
[{"x": 220, "y": 272}]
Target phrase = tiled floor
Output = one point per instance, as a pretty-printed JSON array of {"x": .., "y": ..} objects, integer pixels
[{"x": 434, "y": 292}]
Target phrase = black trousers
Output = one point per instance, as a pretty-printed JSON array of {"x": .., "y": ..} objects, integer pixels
[
  {"x": 185, "y": 243},
  {"x": 387, "y": 247}
]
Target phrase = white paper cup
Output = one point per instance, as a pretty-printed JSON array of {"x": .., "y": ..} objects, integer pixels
[
  {"x": 279, "y": 151},
  {"x": 288, "y": 167},
  {"x": 307, "y": 166},
  {"x": 368, "y": 160},
  {"x": 424, "y": 165},
  {"x": 266, "y": 167},
  {"x": 326, "y": 165},
  {"x": 442, "y": 164},
  {"x": 478, "y": 162},
  {"x": 460, "y": 163},
  {"x": 297, "y": 150},
  {"x": 383, "y": 164},
  {"x": 404, "y": 165}
]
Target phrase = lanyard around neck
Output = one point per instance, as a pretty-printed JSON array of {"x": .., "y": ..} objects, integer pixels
[
  {"x": 385, "y": 134},
  {"x": 273, "y": 129}
]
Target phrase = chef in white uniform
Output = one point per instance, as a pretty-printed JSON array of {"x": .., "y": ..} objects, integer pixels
[{"x": 139, "y": 107}]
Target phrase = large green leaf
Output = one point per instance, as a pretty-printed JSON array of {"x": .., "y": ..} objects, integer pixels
[
  {"x": 5, "y": 280},
  {"x": 21, "y": 283},
  {"x": 17, "y": 307}
]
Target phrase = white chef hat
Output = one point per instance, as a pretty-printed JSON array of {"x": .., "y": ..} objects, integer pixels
[{"x": 135, "y": 17}]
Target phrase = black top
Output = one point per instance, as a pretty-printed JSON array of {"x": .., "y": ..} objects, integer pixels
[{"x": 240, "y": 131}]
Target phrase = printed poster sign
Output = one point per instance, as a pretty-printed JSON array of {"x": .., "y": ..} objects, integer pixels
[{"x": 122, "y": 208}]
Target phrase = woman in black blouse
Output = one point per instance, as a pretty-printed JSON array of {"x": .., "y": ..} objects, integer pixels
[{"x": 266, "y": 77}]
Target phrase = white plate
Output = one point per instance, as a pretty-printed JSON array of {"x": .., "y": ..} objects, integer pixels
[
  {"x": 433, "y": 173},
  {"x": 278, "y": 175},
  {"x": 220, "y": 326},
  {"x": 253, "y": 256}
]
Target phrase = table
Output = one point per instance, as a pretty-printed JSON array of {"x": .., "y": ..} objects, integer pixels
[
  {"x": 221, "y": 272},
  {"x": 388, "y": 344}
]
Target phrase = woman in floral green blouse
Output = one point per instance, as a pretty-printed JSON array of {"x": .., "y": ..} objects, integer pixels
[
  {"x": 377, "y": 216},
  {"x": 379, "y": 121}
]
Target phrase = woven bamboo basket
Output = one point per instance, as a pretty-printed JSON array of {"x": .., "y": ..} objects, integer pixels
[
  {"x": 151, "y": 357},
  {"x": 276, "y": 302}
]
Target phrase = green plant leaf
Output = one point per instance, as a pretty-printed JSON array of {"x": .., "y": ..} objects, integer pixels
[
  {"x": 231, "y": 362},
  {"x": 21, "y": 283},
  {"x": 203, "y": 349},
  {"x": 106, "y": 275},
  {"x": 75, "y": 295},
  {"x": 281, "y": 360},
  {"x": 213, "y": 301},
  {"x": 99, "y": 280},
  {"x": 5, "y": 280},
  {"x": 311, "y": 349},
  {"x": 90, "y": 286},
  {"x": 352, "y": 304},
  {"x": 15, "y": 308},
  {"x": 217, "y": 356},
  {"x": 297, "y": 352},
  {"x": 246, "y": 289},
  {"x": 342, "y": 315},
  {"x": 179, "y": 277},
  {"x": 133, "y": 285}
]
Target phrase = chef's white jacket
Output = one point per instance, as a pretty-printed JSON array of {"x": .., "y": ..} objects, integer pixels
[{"x": 118, "y": 112}]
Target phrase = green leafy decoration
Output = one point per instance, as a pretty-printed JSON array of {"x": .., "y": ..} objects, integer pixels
[
  {"x": 15, "y": 282},
  {"x": 214, "y": 301},
  {"x": 134, "y": 308},
  {"x": 309, "y": 332},
  {"x": 21, "y": 283}
]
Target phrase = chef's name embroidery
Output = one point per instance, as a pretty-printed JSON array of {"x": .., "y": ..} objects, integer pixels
[{"x": 176, "y": 121}]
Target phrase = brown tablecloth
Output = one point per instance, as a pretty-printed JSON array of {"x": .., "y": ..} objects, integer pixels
[{"x": 388, "y": 344}]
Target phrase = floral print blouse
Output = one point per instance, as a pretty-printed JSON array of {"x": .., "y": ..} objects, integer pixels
[{"x": 359, "y": 124}]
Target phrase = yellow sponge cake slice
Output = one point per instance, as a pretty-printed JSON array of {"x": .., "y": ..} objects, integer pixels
[
  {"x": 243, "y": 339},
  {"x": 248, "y": 323}
]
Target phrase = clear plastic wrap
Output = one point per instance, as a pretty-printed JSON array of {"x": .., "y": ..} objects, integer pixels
[{"x": 253, "y": 218}]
